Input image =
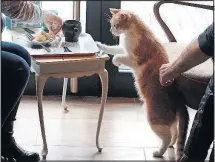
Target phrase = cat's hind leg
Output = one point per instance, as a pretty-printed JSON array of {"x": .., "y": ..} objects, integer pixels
[
  {"x": 183, "y": 121},
  {"x": 164, "y": 133},
  {"x": 174, "y": 133}
]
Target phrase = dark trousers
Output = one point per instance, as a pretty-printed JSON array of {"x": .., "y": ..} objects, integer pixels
[
  {"x": 202, "y": 132},
  {"x": 15, "y": 72}
]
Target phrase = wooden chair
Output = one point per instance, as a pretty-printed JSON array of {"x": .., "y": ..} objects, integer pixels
[{"x": 192, "y": 83}]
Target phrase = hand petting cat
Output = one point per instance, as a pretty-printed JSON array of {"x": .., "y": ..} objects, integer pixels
[{"x": 166, "y": 76}]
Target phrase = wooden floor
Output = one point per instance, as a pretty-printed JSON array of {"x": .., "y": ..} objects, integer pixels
[{"x": 125, "y": 132}]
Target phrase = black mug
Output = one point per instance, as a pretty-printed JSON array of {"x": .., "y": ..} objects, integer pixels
[{"x": 71, "y": 30}]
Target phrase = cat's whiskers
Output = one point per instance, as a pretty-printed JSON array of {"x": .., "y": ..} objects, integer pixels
[
  {"x": 114, "y": 37},
  {"x": 107, "y": 16},
  {"x": 108, "y": 20}
]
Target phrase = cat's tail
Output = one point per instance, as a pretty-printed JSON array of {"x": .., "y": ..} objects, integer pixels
[{"x": 183, "y": 121}]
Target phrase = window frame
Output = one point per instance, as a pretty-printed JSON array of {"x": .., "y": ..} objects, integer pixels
[{"x": 120, "y": 84}]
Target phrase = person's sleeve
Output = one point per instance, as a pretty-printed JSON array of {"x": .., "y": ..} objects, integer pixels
[
  {"x": 24, "y": 11},
  {"x": 206, "y": 41}
]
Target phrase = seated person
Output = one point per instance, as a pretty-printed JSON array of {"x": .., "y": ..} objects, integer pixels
[
  {"x": 15, "y": 64},
  {"x": 202, "y": 132}
]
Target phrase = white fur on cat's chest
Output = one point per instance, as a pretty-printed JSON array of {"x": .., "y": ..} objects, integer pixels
[{"x": 127, "y": 45}]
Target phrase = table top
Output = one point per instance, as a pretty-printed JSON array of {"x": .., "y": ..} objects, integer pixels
[
  {"x": 61, "y": 60},
  {"x": 86, "y": 45}
]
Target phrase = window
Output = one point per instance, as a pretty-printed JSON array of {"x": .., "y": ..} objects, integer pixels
[
  {"x": 83, "y": 9},
  {"x": 185, "y": 22},
  {"x": 64, "y": 8}
]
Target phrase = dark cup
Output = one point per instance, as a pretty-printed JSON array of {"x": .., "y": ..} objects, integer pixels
[{"x": 71, "y": 30}]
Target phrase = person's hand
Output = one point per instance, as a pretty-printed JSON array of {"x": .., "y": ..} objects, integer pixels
[
  {"x": 166, "y": 76},
  {"x": 55, "y": 20}
]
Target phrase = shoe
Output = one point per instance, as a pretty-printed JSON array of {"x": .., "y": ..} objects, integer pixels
[
  {"x": 11, "y": 149},
  {"x": 4, "y": 159}
]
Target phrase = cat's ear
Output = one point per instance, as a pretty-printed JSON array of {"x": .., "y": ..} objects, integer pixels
[
  {"x": 124, "y": 16},
  {"x": 114, "y": 11}
]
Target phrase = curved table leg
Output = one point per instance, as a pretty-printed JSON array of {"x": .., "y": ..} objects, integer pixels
[
  {"x": 64, "y": 95},
  {"x": 40, "y": 83},
  {"x": 104, "y": 79}
]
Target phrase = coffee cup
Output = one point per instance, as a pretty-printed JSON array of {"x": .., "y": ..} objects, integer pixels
[{"x": 71, "y": 30}]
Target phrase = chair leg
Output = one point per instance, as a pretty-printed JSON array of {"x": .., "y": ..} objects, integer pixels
[
  {"x": 104, "y": 80},
  {"x": 40, "y": 83},
  {"x": 64, "y": 104}
]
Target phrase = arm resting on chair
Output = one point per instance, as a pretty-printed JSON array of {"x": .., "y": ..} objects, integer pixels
[{"x": 197, "y": 52}]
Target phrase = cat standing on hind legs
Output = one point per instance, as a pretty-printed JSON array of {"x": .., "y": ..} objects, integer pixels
[{"x": 141, "y": 51}]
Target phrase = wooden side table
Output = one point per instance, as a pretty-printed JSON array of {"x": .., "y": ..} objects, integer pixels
[
  {"x": 60, "y": 66},
  {"x": 69, "y": 68}
]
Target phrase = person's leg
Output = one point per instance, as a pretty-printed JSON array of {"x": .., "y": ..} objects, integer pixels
[
  {"x": 15, "y": 75},
  {"x": 23, "y": 53},
  {"x": 202, "y": 132},
  {"x": 16, "y": 49}
]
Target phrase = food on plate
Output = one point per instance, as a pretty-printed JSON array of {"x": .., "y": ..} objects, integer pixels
[
  {"x": 49, "y": 36},
  {"x": 42, "y": 32},
  {"x": 40, "y": 38},
  {"x": 43, "y": 36}
]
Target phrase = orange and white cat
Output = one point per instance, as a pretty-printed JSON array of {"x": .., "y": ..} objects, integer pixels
[{"x": 166, "y": 111}]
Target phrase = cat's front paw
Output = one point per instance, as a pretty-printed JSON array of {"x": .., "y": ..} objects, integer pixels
[
  {"x": 116, "y": 61},
  {"x": 101, "y": 46}
]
